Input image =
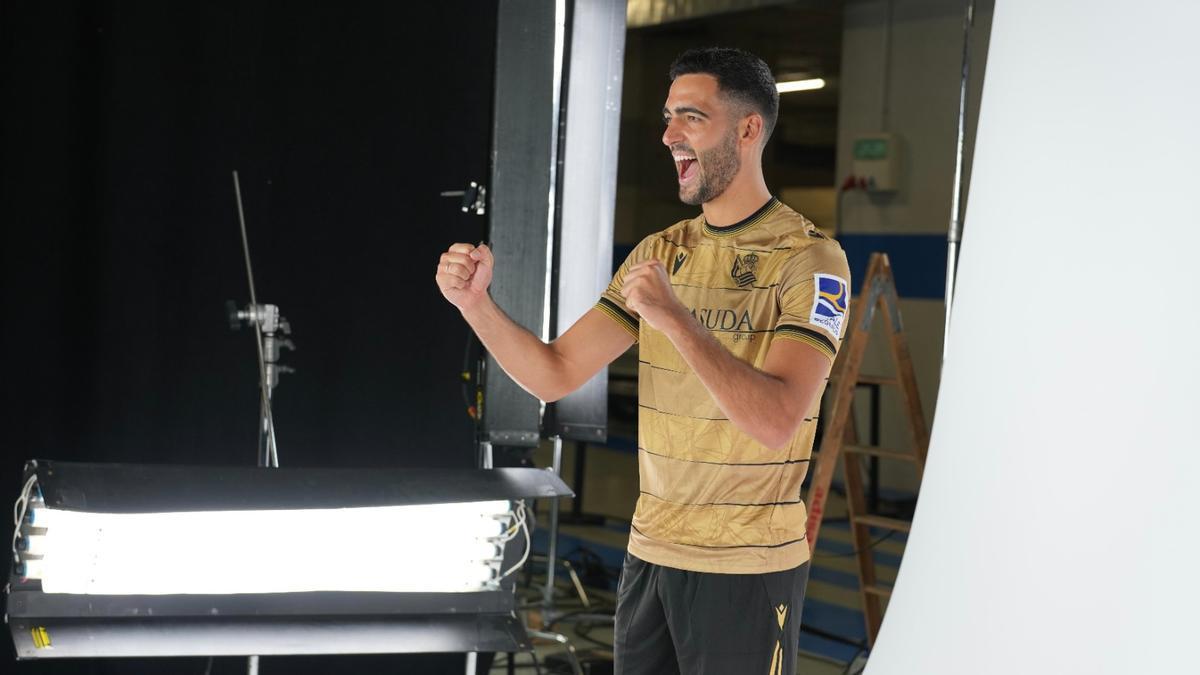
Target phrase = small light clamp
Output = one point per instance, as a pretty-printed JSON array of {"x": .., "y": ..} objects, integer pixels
[{"x": 474, "y": 198}]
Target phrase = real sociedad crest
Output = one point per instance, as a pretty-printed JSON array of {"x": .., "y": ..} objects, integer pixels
[
  {"x": 743, "y": 269},
  {"x": 830, "y": 301}
]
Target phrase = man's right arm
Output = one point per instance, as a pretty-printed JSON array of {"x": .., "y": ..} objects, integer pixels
[{"x": 548, "y": 371}]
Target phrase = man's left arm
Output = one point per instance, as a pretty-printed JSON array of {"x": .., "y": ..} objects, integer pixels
[{"x": 768, "y": 404}]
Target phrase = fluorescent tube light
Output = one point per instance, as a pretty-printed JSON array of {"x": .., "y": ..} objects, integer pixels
[
  {"x": 799, "y": 85},
  {"x": 431, "y": 548}
]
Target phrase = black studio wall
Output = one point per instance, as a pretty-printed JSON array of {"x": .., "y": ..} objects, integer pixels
[{"x": 119, "y": 127}]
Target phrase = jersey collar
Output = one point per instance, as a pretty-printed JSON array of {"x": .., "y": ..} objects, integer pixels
[{"x": 744, "y": 224}]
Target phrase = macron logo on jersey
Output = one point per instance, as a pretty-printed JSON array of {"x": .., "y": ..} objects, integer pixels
[{"x": 831, "y": 297}]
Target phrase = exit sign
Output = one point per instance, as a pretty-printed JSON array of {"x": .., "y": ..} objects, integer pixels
[
  {"x": 871, "y": 148},
  {"x": 877, "y": 161}
]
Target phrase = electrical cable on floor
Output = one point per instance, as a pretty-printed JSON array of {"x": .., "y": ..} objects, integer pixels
[
  {"x": 591, "y": 564},
  {"x": 501, "y": 663},
  {"x": 563, "y": 590},
  {"x": 599, "y": 609},
  {"x": 583, "y": 629}
]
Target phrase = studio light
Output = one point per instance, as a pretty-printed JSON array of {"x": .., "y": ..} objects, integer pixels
[
  {"x": 291, "y": 550},
  {"x": 168, "y": 560},
  {"x": 799, "y": 85}
]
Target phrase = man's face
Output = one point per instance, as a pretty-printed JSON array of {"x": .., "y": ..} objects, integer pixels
[{"x": 702, "y": 136}]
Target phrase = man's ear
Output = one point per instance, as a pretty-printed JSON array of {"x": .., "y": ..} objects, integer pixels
[{"x": 751, "y": 128}]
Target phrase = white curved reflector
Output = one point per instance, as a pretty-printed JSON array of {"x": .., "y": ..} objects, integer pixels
[{"x": 1056, "y": 528}]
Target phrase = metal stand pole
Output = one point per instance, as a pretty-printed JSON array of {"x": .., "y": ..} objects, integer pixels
[
  {"x": 955, "y": 233},
  {"x": 266, "y": 458},
  {"x": 485, "y": 462},
  {"x": 552, "y": 555},
  {"x": 572, "y": 657},
  {"x": 265, "y": 319}
]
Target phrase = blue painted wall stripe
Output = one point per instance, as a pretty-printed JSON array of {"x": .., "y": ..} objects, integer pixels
[
  {"x": 847, "y": 580},
  {"x": 841, "y": 621},
  {"x": 835, "y": 650},
  {"x": 918, "y": 261}
]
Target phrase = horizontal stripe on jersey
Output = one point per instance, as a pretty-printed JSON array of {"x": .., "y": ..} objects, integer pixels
[{"x": 714, "y": 499}]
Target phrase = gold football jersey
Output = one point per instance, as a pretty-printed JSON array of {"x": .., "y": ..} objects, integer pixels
[{"x": 713, "y": 499}]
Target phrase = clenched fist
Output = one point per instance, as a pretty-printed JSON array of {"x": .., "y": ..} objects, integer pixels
[
  {"x": 648, "y": 292},
  {"x": 464, "y": 273}
]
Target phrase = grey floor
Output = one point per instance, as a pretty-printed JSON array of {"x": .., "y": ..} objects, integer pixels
[{"x": 592, "y": 640}]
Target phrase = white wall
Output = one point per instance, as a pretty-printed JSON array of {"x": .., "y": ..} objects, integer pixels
[
  {"x": 907, "y": 83},
  {"x": 922, "y": 65},
  {"x": 1055, "y": 528}
]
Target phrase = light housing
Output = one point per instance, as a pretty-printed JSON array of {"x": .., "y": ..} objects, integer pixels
[{"x": 142, "y": 560}]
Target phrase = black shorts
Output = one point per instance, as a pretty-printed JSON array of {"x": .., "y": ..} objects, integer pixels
[{"x": 700, "y": 623}]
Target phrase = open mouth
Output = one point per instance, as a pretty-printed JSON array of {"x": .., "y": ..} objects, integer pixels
[{"x": 686, "y": 166}]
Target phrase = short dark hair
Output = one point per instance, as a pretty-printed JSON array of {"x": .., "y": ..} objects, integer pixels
[{"x": 741, "y": 76}]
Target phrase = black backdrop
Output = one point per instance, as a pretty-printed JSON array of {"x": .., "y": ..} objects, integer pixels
[{"x": 121, "y": 122}]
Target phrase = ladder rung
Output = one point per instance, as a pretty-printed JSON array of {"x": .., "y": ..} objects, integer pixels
[
  {"x": 883, "y": 522},
  {"x": 876, "y": 451},
  {"x": 876, "y": 589},
  {"x": 863, "y": 378},
  {"x": 876, "y": 379}
]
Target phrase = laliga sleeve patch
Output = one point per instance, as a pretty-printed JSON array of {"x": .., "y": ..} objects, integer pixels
[{"x": 831, "y": 296}]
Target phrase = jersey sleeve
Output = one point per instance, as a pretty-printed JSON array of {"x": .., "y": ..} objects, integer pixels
[
  {"x": 814, "y": 298},
  {"x": 612, "y": 303}
]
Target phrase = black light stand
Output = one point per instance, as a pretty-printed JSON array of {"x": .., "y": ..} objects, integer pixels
[
  {"x": 267, "y": 321},
  {"x": 272, "y": 331}
]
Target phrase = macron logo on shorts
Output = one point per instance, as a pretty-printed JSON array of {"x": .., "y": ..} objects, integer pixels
[{"x": 830, "y": 300}]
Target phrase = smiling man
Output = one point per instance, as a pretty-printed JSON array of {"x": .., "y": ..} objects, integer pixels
[{"x": 738, "y": 313}]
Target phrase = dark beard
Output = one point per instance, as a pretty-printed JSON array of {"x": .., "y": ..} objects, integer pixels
[{"x": 718, "y": 167}]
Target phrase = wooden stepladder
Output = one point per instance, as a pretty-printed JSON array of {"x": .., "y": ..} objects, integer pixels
[{"x": 878, "y": 296}]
